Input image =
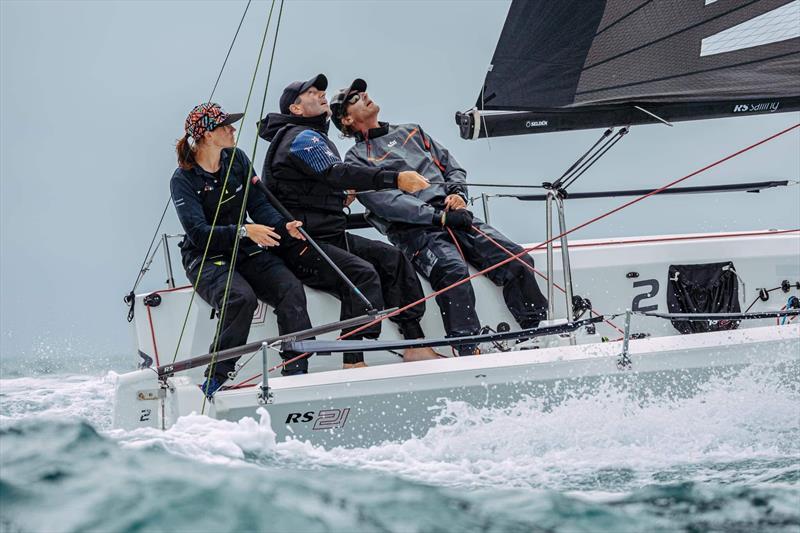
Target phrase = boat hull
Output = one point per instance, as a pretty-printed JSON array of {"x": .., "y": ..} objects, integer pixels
[
  {"x": 363, "y": 407},
  {"x": 388, "y": 401}
]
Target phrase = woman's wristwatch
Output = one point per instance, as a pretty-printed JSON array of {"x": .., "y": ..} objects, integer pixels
[{"x": 242, "y": 231}]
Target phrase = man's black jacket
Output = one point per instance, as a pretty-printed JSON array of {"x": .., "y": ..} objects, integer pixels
[{"x": 304, "y": 171}]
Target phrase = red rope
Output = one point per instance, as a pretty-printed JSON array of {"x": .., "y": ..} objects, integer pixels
[
  {"x": 536, "y": 271},
  {"x": 538, "y": 246},
  {"x": 455, "y": 241}
]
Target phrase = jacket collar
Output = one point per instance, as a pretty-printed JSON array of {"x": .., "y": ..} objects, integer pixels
[
  {"x": 319, "y": 123},
  {"x": 372, "y": 133},
  {"x": 224, "y": 161},
  {"x": 269, "y": 126}
]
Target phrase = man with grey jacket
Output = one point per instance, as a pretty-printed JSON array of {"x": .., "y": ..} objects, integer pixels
[{"x": 432, "y": 227}]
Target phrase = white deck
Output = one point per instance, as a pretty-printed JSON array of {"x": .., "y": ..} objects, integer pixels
[{"x": 394, "y": 401}]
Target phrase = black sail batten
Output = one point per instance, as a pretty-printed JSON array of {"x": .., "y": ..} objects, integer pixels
[{"x": 576, "y": 64}]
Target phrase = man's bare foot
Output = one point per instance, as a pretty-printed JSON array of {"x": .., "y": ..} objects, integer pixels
[
  {"x": 419, "y": 354},
  {"x": 360, "y": 364}
]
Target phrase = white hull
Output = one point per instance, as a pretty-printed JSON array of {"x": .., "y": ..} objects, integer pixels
[{"x": 395, "y": 401}]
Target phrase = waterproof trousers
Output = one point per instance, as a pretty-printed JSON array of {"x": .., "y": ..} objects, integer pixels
[
  {"x": 436, "y": 256},
  {"x": 262, "y": 276},
  {"x": 380, "y": 271}
]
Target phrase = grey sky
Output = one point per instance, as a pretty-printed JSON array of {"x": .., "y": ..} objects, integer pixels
[{"x": 94, "y": 95}]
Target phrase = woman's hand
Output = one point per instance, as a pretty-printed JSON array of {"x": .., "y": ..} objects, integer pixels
[
  {"x": 262, "y": 235},
  {"x": 292, "y": 228}
]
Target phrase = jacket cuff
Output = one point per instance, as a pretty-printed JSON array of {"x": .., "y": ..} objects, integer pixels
[
  {"x": 386, "y": 179},
  {"x": 280, "y": 229},
  {"x": 457, "y": 189},
  {"x": 231, "y": 235}
]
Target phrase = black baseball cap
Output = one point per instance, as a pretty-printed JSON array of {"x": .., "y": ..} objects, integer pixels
[
  {"x": 296, "y": 88},
  {"x": 340, "y": 99}
]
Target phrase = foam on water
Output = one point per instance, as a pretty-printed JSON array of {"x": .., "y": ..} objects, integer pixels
[
  {"x": 746, "y": 418},
  {"x": 606, "y": 456},
  {"x": 606, "y": 440},
  {"x": 205, "y": 439},
  {"x": 59, "y": 397}
]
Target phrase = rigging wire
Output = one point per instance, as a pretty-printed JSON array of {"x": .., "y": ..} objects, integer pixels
[
  {"x": 607, "y": 318},
  {"x": 243, "y": 210},
  {"x": 537, "y": 272},
  {"x": 608, "y": 145},
  {"x": 225, "y": 61},
  {"x": 572, "y": 167},
  {"x": 576, "y": 228},
  {"x": 529, "y": 249},
  {"x": 468, "y": 184},
  {"x": 504, "y": 185},
  {"x": 224, "y": 187},
  {"x": 130, "y": 298}
]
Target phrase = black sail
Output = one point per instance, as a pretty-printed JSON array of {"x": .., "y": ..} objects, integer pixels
[{"x": 575, "y": 64}]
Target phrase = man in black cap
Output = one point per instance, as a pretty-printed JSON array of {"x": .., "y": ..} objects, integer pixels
[
  {"x": 433, "y": 226},
  {"x": 304, "y": 171}
]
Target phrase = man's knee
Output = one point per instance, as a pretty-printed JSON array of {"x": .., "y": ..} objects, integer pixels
[
  {"x": 391, "y": 253},
  {"x": 363, "y": 274},
  {"x": 521, "y": 266},
  {"x": 448, "y": 271},
  {"x": 291, "y": 292},
  {"x": 242, "y": 298}
]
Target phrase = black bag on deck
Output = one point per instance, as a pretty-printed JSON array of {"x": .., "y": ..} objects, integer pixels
[{"x": 709, "y": 288}]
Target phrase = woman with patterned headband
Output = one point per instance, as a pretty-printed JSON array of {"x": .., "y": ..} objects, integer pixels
[{"x": 209, "y": 189}]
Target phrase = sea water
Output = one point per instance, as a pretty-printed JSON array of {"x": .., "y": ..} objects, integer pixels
[{"x": 726, "y": 459}]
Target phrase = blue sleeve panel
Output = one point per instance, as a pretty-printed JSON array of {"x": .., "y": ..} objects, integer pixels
[
  {"x": 320, "y": 161},
  {"x": 312, "y": 150}
]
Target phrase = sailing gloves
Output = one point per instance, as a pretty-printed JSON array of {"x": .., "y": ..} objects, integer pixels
[{"x": 458, "y": 219}]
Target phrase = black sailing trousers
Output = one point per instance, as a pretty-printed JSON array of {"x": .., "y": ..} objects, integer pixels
[
  {"x": 379, "y": 270},
  {"x": 435, "y": 256},
  {"x": 262, "y": 276}
]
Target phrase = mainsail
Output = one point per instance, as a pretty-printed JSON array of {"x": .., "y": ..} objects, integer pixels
[{"x": 575, "y": 64}]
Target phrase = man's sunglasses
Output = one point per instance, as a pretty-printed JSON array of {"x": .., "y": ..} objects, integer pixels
[{"x": 354, "y": 98}]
